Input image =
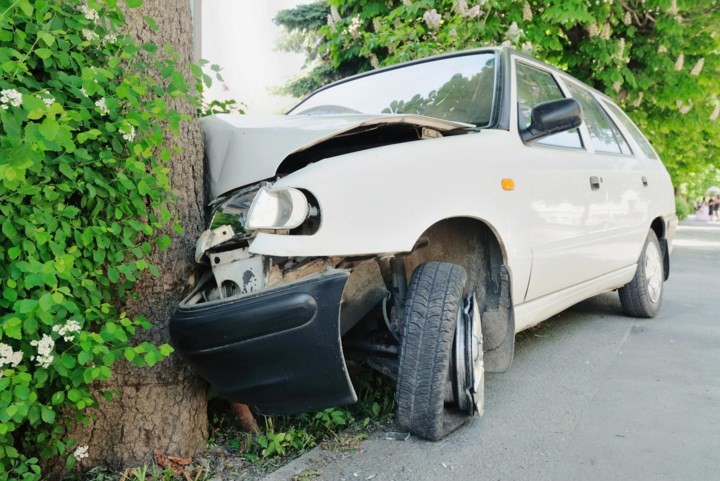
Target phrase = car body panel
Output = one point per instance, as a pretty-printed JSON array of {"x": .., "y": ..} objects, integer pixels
[{"x": 244, "y": 149}]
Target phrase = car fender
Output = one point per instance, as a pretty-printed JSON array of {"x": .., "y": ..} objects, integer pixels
[{"x": 381, "y": 200}]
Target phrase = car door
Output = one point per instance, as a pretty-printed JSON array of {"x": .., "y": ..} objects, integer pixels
[
  {"x": 568, "y": 214},
  {"x": 622, "y": 179}
]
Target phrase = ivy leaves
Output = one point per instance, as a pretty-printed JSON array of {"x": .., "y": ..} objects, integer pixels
[{"x": 84, "y": 189}]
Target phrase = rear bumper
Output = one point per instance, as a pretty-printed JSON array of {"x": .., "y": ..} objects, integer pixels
[{"x": 277, "y": 349}]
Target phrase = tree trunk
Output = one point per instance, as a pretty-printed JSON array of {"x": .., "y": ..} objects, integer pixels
[{"x": 163, "y": 407}]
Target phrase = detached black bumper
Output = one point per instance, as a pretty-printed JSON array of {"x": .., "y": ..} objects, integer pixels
[{"x": 277, "y": 349}]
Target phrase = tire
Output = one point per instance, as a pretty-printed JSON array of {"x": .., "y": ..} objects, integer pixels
[
  {"x": 642, "y": 296},
  {"x": 429, "y": 321}
]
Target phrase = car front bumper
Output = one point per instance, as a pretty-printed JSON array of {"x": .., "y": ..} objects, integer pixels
[{"x": 278, "y": 349}]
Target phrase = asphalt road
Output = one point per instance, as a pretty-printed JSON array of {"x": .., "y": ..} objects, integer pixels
[{"x": 592, "y": 395}]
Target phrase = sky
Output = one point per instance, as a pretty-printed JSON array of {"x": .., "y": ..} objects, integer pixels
[{"x": 240, "y": 36}]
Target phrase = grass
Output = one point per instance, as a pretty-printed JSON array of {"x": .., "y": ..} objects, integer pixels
[
  {"x": 286, "y": 437},
  {"x": 233, "y": 454}
]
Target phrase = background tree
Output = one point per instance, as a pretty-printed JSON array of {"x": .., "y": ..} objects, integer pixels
[
  {"x": 657, "y": 58},
  {"x": 100, "y": 165},
  {"x": 163, "y": 407}
]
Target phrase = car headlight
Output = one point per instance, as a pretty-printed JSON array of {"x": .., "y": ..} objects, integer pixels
[{"x": 277, "y": 209}]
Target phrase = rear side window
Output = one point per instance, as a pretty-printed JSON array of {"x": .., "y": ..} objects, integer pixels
[
  {"x": 535, "y": 86},
  {"x": 632, "y": 130},
  {"x": 604, "y": 135}
]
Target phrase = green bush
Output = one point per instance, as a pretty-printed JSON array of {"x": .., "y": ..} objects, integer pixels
[
  {"x": 84, "y": 189},
  {"x": 683, "y": 208}
]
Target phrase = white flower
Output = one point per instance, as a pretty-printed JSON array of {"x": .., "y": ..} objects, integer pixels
[
  {"x": 110, "y": 38},
  {"x": 100, "y": 104},
  {"x": 593, "y": 30},
  {"x": 527, "y": 12},
  {"x": 682, "y": 108},
  {"x": 407, "y": 3},
  {"x": 514, "y": 33},
  {"x": 638, "y": 100},
  {"x": 527, "y": 47},
  {"x": 89, "y": 13},
  {"x": 453, "y": 32},
  {"x": 662, "y": 49},
  {"x": 11, "y": 97},
  {"x": 44, "y": 346},
  {"x": 129, "y": 136},
  {"x": 616, "y": 86},
  {"x": 83, "y": 91},
  {"x": 8, "y": 357},
  {"x": 67, "y": 330},
  {"x": 698, "y": 67},
  {"x": 335, "y": 14},
  {"x": 606, "y": 31},
  {"x": 680, "y": 62},
  {"x": 48, "y": 101},
  {"x": 81, "y": 453},
  {"x": 462, "y": 8},
  {"x": 89, "y": 35},
  {"x": 432, "y": 18},
  {"x": 628, "y": 18},
  {"x": 354, "y": 28},
  {"x": 715, "y": 113}
]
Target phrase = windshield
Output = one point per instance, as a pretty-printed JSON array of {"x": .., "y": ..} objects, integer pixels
[{"x": 452, "y": 88}]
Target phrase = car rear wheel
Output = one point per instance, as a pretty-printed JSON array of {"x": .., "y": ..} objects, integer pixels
[
  {"x": 642, "y": 296},
  {"x": 440, "y": 376}
]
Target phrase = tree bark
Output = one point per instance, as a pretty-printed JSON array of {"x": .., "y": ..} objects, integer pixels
[{"x": 163, "y": 407}]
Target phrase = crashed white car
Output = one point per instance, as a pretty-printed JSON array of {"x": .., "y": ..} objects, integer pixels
[{"x": 416, "y": 218}]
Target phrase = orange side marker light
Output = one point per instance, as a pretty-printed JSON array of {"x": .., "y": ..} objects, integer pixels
[{"x": 507, "y": 184}]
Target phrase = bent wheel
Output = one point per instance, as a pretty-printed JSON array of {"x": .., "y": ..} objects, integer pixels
[
  {"x": 432, "y": 371},
  {"x": 642, "y": 296}
]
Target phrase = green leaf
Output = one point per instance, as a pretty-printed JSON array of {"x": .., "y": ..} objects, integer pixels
[
  {"x": 43, "y": 53},
  {"x": 67, "y": 170},
  {"x": 133, "y": 3},
  {"x": 9, "y": 230},
  {"x": 46, "y": 37},
  {"x": 47, "y": 414},
  {"x": 26, "y": 305},
  {"x": 58, "y": 398},
  {"x": 26, "y": 7}
]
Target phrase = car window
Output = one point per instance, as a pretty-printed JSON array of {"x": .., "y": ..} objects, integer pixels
[
  {"x": 632, "y": 129},
  {"x": 453, "y": 88},
  {"x": 535, "y": 86},
  {"x": 604, "y": 135}
]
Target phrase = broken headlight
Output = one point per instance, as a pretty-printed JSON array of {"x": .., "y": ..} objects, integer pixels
[
  {"x": 233, "y": 211},
  {"x": 277, "y": 209}
]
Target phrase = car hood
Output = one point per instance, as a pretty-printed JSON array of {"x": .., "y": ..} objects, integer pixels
[{"x": 244, "y": 149}]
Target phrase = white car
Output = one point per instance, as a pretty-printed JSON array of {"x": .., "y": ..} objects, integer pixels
[{"x": 416, "y": 218}]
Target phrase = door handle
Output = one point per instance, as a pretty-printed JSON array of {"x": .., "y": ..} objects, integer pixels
[{"x": 595, "y": 182}]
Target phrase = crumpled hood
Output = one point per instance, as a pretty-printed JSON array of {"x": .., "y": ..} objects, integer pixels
[{"x": 243, "y": 149}]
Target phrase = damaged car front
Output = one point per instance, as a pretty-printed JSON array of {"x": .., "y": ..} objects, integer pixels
[{"x": 310, "y": 213}]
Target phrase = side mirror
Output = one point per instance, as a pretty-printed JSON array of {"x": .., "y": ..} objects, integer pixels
[{"x": 552, "y": 117}]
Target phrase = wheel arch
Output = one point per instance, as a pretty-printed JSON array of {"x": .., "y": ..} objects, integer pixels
[
  {"x": 658, "y": 226},
  {"x": 475, "y": 245}
]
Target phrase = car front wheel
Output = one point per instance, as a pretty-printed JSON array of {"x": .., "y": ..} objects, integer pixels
[
  {"x": 642, "y": 296},
  {"x": 440, "y": 376}
]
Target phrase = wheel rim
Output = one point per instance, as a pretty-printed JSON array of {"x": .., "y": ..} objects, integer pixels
[
  {"x": 467, "y": 368},
  {"x": 653, "y": 272}
]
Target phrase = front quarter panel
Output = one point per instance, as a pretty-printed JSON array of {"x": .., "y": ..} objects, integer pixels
[{"x": 381, "y": 200}]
